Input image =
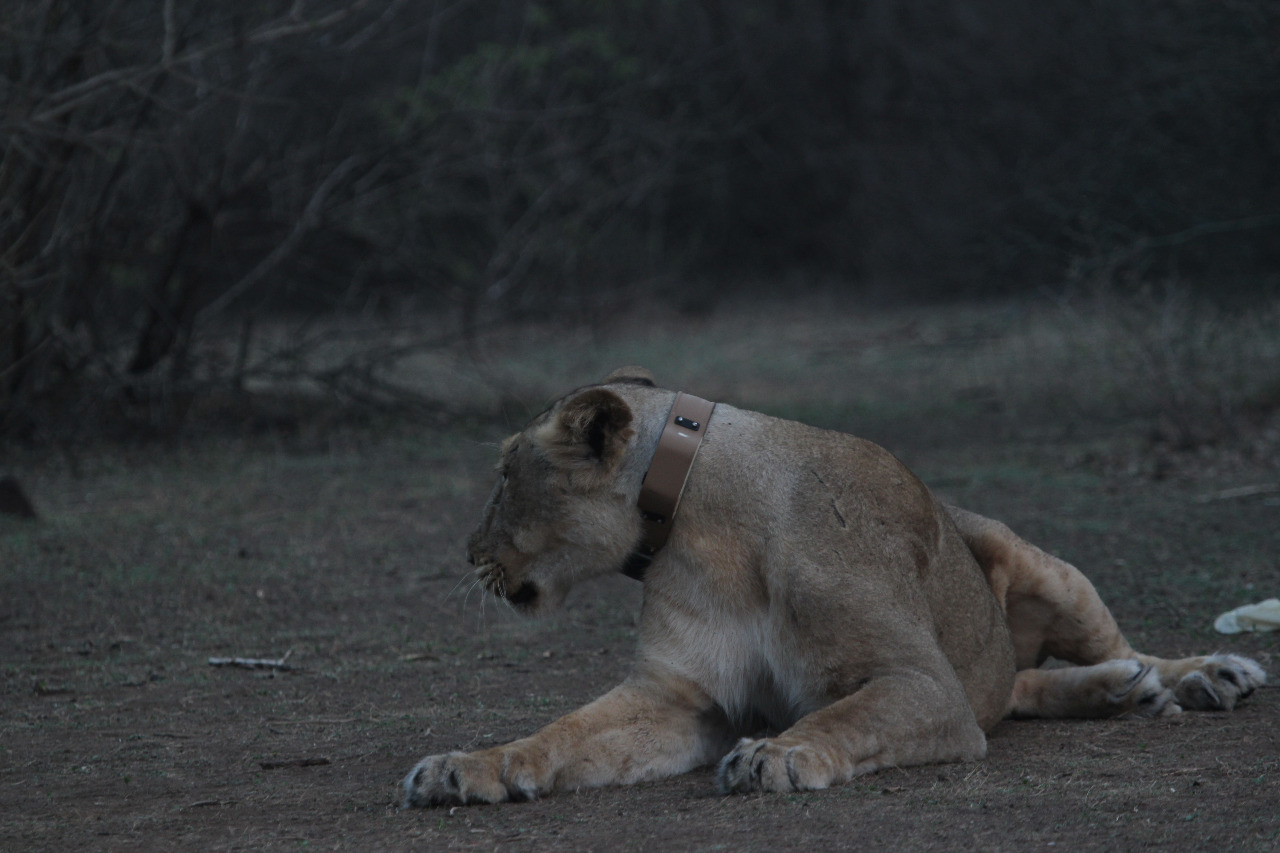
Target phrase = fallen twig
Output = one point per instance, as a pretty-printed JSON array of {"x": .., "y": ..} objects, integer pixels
[
  {"x": 292, "y": 762},
  {"x": 412, "y": 656},
  {"x": 200, "y": 804},
  {"x": 42, "y": 689},
  {"x": 1239, "y": 492},
  {"x": 314, "y": 721},
  {"x": 254, "y": 663}
]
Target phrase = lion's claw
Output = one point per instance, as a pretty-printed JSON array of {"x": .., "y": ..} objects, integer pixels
[{"x": 766, "y": 765}]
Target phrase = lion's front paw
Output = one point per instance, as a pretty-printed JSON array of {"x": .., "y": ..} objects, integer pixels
[
  {"x": 453, "y": 779},
  {"x": 766, "y": 765},
  {"x": 1219, "y": 683}
]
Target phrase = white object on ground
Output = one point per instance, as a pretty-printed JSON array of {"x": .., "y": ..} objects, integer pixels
[{"x": 1263, "y": 616}]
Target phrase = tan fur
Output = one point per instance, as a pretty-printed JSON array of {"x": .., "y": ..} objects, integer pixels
[{"x": 812, "y": 587}]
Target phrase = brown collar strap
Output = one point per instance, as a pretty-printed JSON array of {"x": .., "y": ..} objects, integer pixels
[{"x": 664, "y": 481}]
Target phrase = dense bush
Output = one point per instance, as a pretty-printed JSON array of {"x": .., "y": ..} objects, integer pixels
[{"x": 172, "y": 170}]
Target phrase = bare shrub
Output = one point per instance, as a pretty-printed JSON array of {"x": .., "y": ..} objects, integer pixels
[
  {"x": 161, "y": 164},
  {"x": 178, "y": 179}
]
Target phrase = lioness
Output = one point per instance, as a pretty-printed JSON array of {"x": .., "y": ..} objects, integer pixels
[{"x": 810, "y": 585}]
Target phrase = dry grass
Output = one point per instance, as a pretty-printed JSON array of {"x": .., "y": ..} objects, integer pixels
[{"x": 1183, "y": 371}]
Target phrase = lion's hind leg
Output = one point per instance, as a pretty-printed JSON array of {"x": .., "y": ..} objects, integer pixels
[
  {"x": 1141, "y": 686},
  {"x": 1054, "y": 611},
  {"x": 1114, "y": 688}
]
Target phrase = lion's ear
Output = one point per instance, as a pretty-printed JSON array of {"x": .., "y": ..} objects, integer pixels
[
  {"x": 590, "y": 431},
  {"x": 632, "y": 374}
]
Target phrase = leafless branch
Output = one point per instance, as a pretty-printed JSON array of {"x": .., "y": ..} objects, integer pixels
[{"x": 307, "y": 221}]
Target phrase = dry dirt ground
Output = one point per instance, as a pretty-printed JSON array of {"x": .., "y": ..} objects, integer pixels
[{"x": 343, "y": 548}]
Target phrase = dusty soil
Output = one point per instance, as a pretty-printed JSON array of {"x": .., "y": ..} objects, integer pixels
[{"x": 344, "y": 550}]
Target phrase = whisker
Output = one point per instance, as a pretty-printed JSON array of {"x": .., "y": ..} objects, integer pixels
[
  {"x": 467, "y": 598},
  {"x": 461, "y": 579}
]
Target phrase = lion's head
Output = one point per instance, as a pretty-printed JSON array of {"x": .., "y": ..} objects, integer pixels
[{"x": 564, "y": 504}]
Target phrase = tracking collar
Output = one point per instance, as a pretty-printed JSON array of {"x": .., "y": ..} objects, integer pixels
[{"x": 664, "y": 482}]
